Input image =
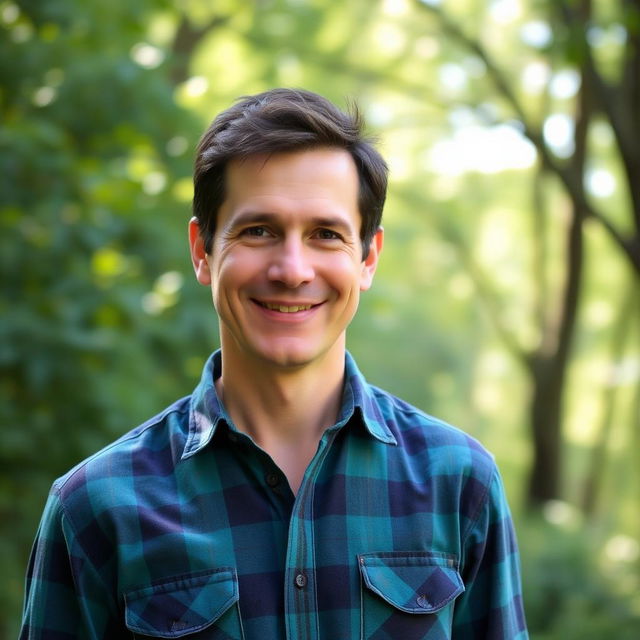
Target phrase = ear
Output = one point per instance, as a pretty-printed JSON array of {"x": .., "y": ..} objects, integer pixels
[
  {"x": 370, "y": 263},
  {"x": 199, "y": 256}
]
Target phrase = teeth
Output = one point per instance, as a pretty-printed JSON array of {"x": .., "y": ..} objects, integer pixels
[{"x": 283, "y": 309}]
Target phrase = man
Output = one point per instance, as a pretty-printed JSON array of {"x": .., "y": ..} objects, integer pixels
[{"x": 285, "y": 498}]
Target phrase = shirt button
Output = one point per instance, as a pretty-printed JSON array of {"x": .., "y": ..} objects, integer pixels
[
  {"x": 233, "y": 436},
  {"x": 422, "y": 602},
  {"x": 301, "y": 581},
  {"x": 273, "y": 480}
]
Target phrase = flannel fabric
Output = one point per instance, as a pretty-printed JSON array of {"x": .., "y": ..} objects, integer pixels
[{"x": 185, "y": 528}]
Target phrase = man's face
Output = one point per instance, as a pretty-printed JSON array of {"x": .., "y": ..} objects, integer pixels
[{"x": 286, "y": 266}]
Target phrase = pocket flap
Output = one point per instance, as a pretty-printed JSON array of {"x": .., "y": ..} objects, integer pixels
[
  {"x": 179, "y": 606},
  {"x": 415, "y": 582}
]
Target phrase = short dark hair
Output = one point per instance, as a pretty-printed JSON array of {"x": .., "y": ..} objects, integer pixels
[{"x": 282, "y": 120}]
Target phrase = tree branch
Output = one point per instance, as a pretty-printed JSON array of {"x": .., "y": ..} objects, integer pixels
[
  {"x": 487, "y": 295},
  {"x": 187, "y": 38},
  {"x": 619, "y": 104},
  {"x": 489, "y": 298},
  {"x": 474, "y": 46},
  {"x": 572, "y": 182}
]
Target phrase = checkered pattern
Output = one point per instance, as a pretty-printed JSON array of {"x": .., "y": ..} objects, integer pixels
[{"x": 184, "y": 527}]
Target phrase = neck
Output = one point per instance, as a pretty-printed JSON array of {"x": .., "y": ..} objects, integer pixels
[
  {"x": 284, "y": 409},
  {"x": 288, "y": 402}
]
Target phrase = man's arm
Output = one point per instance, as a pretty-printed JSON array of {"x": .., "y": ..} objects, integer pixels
[
  {"x": 491, "y": 606},
  {"x": 65, "y": 596}
]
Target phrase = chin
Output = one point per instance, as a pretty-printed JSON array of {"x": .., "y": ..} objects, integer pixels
[
  {"x": 290, "y": 356},
  {"x": 289, "y": 360}
]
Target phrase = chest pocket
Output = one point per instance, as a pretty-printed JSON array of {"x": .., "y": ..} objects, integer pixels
[
  {"x": 201, "y": 606},
  {"x": 408, "y": 595}
]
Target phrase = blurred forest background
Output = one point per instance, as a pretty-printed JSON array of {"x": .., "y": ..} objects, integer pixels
[{"x": 507, "y": 301}]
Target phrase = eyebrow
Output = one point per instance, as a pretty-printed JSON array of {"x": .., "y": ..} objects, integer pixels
[
  {"x": 262, "y": 217},
  {"x": 250, "y": 217},
  {"x": 331, "y": 222}
]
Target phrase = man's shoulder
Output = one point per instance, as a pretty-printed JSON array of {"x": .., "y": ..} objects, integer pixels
[
  {"x": 425, "y": 438},
  {"x": 153, "y": 447}
]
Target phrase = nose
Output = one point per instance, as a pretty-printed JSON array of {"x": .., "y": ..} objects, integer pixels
[{"x": 290, "y": 264}]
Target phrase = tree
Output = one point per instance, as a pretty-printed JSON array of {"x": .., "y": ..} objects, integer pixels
[
  {"x": 100, "y": 105},
  {"x": 92, "y": 145},
  {"x": 610, "y": 95}
]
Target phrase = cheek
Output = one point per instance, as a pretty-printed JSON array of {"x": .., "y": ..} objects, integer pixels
[
  {"x": 343, "y": 273},
  {"x": 234, "y": 271}
]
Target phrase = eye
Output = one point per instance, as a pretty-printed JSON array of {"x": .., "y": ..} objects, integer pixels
[
  {"x": 256, "y": 232},
  {"x": 327, "y": 234}
]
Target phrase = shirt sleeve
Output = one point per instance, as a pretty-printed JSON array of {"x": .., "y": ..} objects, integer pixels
[
  {"x": 65, "y": 594},
  {"x": 491, "y": 606}
]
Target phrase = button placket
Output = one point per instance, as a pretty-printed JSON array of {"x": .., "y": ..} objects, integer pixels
[{"x": 301, "y": 615}]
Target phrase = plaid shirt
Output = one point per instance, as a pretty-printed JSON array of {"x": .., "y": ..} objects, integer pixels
[{"x": 184, "y": 527}]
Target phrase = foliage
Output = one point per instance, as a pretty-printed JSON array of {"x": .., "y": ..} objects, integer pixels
[
  {"x": 562, "y": 32},
  {"x": 91, "y": 145},
  {"x": 103, "y": 325},
  {"x": 572, "y": 588}
]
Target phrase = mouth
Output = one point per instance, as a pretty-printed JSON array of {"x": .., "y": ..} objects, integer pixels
[{"x": 282, "y": 308}]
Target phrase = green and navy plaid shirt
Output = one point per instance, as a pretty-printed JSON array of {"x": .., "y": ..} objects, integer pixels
[{"x": 185, "y": 528}]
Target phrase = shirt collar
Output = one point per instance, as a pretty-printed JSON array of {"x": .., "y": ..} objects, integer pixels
[
  {"x": 359, "y": 394},
  {"x": 207, "y": 411}
]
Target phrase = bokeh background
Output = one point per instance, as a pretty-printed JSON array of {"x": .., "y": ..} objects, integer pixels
[{"x": 507, "y": 301}]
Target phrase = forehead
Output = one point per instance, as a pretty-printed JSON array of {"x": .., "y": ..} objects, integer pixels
[{"x": 326, "y": 177}]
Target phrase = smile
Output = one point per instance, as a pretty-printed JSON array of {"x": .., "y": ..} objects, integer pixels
[{"x": 285, "y": 309}]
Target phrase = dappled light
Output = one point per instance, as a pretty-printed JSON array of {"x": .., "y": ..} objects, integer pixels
[{"x": 506, "y": 301}]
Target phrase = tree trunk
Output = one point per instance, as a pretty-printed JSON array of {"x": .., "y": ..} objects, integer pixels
[
  {"x": 546, "y": 421},
  {"x": 548, "y": 370}
]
